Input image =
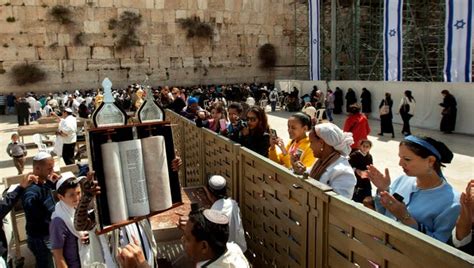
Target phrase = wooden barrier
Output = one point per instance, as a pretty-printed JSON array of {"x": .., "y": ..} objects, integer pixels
[
  {"x": 178, "y": 140},
  {"x": 220, "y": 158},
  {"x": 274, "y": 208},
  {"x": 291, "y": 222}
]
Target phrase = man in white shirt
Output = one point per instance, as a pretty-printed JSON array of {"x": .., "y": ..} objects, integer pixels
[
  {"x": 217, "y": 193},
  {"x": 67, "y": 131},
  {"x": 32, "y": 101}
]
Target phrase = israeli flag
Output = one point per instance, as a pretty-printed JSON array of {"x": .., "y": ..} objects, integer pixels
[
  {"x": 314, "y": 40},
  {"x": 392, "y": 40},
  {"x": 458, "y": 41}
]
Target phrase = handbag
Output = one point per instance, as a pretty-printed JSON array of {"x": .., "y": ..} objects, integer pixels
[{"x": 385, "y": 109}]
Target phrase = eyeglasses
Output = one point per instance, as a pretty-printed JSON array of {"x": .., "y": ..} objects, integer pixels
[{"x": 251, "y": 118}]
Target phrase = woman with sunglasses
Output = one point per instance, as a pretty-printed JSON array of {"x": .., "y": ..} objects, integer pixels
[
  {"x": 255, "y": 134},
  {"x": 421, "y": 199}
]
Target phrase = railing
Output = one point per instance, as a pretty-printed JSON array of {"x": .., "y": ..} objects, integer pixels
[{"x": 291, "y": 222}]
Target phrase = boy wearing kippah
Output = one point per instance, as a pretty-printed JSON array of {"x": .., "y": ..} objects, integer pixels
[{"x": 17, "y": 151}]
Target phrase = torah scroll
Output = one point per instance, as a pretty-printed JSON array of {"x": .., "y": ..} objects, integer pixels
[
  {"x": 156, "y": 173},
  {"x": 113, "y": 181},
  {"x": 134, "y": 178}
]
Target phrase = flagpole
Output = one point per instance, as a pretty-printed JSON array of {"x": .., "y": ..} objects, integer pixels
[{"x": 333, "y": 40}]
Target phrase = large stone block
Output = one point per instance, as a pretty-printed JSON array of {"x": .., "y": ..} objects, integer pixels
[
  {"x": 26, "y": 53},
  {"x": 151, "y": 51},
  {"x": 79, "y": 52},
  {"x": 77, "y": 3},
  {"x": 80, "y": 65},
  {"x": 6, "y": 11},
  {"x": 103, "y": 64},
  {"x": 64, "y": 39},
  {"x": 188, "y": 62},
  {"x": 181, "y": 14},
  {"x": 137, "y": 63},
  {"x": 118, "y": 77},
  {"x": 92, "y": 77},
  {"x": 105, "y": 3},
  {"x": 102, "y": 52},
  {"x": 52, "y": 53},
  {"x": 67, "y": 65},
  {"x": 46, "y": 65},
  {"x": 8, "y": 53},
  {"x": 202, "y": 4},
  {"x": 159, "y": 4},
  {"x": 156, "y": 16},
  {"x": 10, "y": 27},
  {"x": 91, "y": 27}
]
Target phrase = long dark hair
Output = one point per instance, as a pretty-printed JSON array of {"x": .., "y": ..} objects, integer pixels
[
  {"x": 445, "y": 153},
  {"x": 409, "y": 96},
  {"x": 262, "y": 119}
]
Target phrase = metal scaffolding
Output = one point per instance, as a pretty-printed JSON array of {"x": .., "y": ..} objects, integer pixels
[
  {"x": 358, "y": 43},
  {"x": 301, "y": 40}
]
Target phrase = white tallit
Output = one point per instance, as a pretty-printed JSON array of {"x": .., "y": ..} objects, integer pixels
[{"x": 89, "y": 254}]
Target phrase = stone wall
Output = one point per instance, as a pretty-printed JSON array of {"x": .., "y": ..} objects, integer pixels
[{"x": 240, "y": 28}]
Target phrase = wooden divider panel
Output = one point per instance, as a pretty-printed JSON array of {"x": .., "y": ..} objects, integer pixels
[
  {"x": 193, "y": 153},
  {"x": 317, "y": 222},
  {"x": 177, "y": 128},
  {"x": 275, "y": 211},
  {"x": 363, "y": 237},
  {"x": 220, "y": 159}
]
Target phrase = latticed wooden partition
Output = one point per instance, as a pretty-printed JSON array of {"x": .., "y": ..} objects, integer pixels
[
  {"x": 220, "y": 158},
  {"x": 362, "y": 237},
  {"x": 178, "y": 141},
  {"x": 291, "y": 222},
  {"x": 275, "y": 212}
]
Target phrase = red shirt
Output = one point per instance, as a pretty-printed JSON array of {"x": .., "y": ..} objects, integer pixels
[{"x": 359, "y": 126}]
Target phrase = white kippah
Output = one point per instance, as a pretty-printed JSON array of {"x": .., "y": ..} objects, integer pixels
[
  {"x": 215, "y": 216},
  {"x": 64, "y": 177},
  {"x": 217, "y": 182},
  {"x": 41, "y": 156}
]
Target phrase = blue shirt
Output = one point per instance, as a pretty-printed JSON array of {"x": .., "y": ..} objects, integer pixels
[
  {"x": 38, "y": 203},
  {"x": 435, "y": 210},
  {"x": 62, "y": 238}
]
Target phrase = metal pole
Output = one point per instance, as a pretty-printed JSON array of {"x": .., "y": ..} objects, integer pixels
[{"x": 333, "y": 40}]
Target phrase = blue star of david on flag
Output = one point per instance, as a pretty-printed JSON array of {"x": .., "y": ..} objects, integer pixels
[
  {"x": 315, "y": 41},
  {"x": 459, "y": 24},
  {"x": 392, "y": 32}
]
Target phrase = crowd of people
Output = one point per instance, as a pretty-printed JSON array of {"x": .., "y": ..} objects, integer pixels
[{"x": 61, "y": 231}]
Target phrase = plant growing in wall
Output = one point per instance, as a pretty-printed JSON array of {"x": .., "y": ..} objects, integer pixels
[
  {"x": 61, "y": 14},
  {"x": 79, "y": 39},
  {"x": 11, "y": 19},
  {"x": 25, "y": 73},
  {"x": 126, "y": 27},
  {"x": 196, "y": 28},
  {"x": 268, "y": 56}
]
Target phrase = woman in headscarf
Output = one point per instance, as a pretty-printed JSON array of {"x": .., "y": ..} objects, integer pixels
[
  {"x": 448, "y": 121},
  {"x": 330, "y": 146},
  {"x": 422, "y": 198},
  {"x": 407, "y": 111}
]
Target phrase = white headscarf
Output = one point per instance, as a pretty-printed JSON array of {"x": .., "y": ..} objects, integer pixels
[{"x": 335, "y": 137}]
